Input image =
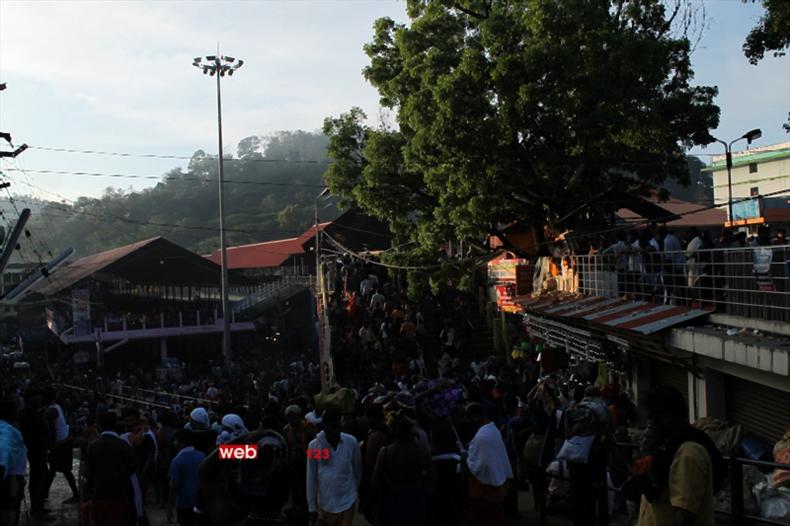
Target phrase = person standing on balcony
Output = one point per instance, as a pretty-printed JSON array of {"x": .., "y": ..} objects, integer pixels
[
  {"x": 693, "y": 266},
  {"x": 620, "y": 250},
  {"x": 673, "y": 264}
]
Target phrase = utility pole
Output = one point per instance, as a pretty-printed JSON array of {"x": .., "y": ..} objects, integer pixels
[
  {"x": 220, "y": 65},
  {"x": 12, "y": 241},
  {"x": 325, "y": 362}
]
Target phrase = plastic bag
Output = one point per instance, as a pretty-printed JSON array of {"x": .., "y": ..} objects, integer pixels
[
  {"x": 756, "y": 448},
  {"x": 781, "y": 477},
  {"x": 576, "y": 449},
  {"x": 774, "y": 503}
]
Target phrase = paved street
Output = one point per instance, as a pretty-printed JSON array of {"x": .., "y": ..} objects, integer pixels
[{"x": 68, "y": 515}]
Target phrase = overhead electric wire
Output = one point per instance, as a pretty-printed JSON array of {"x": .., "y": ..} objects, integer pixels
[
  {"x": 628, "y": 226},
  {"x": 176, "y": 157},
  {"x": 350, "y": 252},
  {"x": 72, "y": 213},
  {"x": 27, "y": 235},
  {"x": 166, "y": 178},
  {"x": 49, "y": 225}
]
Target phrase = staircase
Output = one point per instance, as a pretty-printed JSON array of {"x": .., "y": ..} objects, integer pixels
[
  {"x": 271, "y": 293},
  {"x": 481, "y": 344}
]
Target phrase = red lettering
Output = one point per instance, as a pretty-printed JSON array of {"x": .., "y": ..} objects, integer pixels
[{"x": 325, "y": 454}]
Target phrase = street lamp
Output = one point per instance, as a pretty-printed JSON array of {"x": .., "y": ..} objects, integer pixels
[
  {"x": 219, "y": 65},
  {"x": 749, "y": 136}
]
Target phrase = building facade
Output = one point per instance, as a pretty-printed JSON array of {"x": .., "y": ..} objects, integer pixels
[{"x": 760, "y": 185}]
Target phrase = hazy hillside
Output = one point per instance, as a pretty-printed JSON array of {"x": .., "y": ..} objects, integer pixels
[{"x": 270, "y": 189}]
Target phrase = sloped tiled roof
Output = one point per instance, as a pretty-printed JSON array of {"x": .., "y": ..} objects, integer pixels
[{"x": 267, "y": 254}]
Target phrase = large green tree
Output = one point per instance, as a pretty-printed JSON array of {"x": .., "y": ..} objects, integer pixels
[
  {"x": 772, "y": 32},
  {"x": 512, "y": 111}
]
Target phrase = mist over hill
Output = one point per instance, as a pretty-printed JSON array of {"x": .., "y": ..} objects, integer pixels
[{"x": 270, "y": 187}]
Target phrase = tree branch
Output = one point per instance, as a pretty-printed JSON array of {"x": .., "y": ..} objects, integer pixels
[
  {"x": 668, "y": 23},
  {"x": 475, "y": 14}
]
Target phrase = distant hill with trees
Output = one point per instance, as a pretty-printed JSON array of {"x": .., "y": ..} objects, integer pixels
[{"x": 271, "y": 185}]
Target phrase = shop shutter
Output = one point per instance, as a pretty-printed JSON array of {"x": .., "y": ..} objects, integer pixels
[
  {"x": 762, "y": 410},
  {"x": 662, "y": 373}
]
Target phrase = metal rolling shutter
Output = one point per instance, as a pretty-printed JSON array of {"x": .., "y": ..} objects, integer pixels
[
  {"x": 764, "y": 411},
  {"x": 662, "y": 373}
]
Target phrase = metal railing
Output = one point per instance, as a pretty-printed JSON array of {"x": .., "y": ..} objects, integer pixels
[
  {"x": 737, "y": 507},
  {"x": 162, "y": 320},
  {"x": 749, "y": 282},
  {"x": 274, "y": 290},
  {"x": 736, "y": 514}
]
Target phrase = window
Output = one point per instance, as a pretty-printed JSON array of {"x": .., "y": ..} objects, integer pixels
[
  {"x": 752, "y": 168},
  {"x": 754, "y": 191}
]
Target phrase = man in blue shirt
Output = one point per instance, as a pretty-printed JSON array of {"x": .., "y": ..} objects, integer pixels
[{"x": 184, "y": 479}]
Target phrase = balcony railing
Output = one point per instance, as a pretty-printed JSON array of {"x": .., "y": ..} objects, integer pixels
[{"x": 749, "y": 282}]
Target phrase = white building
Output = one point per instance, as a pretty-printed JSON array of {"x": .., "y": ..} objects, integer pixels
[{"x": 762, "y": 177}]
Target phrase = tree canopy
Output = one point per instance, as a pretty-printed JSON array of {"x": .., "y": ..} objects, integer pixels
[
  {"x": 513, "y": 111},
  {"x": 772, "y": 32}
]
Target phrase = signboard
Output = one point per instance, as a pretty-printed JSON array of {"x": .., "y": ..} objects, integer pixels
[
  {"x": 763, "y": 257},
  {"x": 505, "y": 298},
  {"x": 81, "y": 311},
  {"x": 509, "y": 278},
  {"x": 502, "y": 270},
  {"x": 747, "y": 209}
]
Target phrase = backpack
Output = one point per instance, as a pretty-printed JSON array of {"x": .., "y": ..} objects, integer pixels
[{"x": 653, "y": 483}]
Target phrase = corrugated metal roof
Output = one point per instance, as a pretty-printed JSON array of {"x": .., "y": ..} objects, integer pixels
[
  {"x": 80, "y": 269},
  {"x": 640, "y": 317},
  {"x": 155, "y": 261}
]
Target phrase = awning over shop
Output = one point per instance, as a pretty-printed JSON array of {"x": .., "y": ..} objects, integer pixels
[{"x": 597, "y": 312}]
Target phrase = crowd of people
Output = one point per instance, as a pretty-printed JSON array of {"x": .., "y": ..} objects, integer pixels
[
  {"x": 422, "y": 432},
  {"x": 662, "y": 266}
]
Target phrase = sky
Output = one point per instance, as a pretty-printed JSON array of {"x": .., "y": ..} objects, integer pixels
[{"x": 117, "y": 76}]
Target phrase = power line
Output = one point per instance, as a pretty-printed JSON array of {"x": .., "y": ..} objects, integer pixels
[
  {"x": 387, "y": 265},
  {"x": 166, "y": 178},
  {"x": 49, "y": 225},
  {"x": 176, "y": 157},
  {"x": 71, "y": 213}
]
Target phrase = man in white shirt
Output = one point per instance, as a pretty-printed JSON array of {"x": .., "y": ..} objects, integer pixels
[
  {"x": 334, "y": 471},
  {"x": 489, "y": 467}
]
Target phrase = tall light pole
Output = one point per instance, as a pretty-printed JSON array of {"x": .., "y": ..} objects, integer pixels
[
  {"x": 219, "y": 65},
  {"x": 324, "y": 342},
  {"x": 749, "y": 136}
]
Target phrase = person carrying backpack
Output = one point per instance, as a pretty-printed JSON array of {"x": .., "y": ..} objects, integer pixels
[{"x": 680, "y": 478}]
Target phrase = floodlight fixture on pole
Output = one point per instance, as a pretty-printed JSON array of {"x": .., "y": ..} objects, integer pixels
[
  {"x": 218, "y": 65},
  {"x": 751, "y": 135}
]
